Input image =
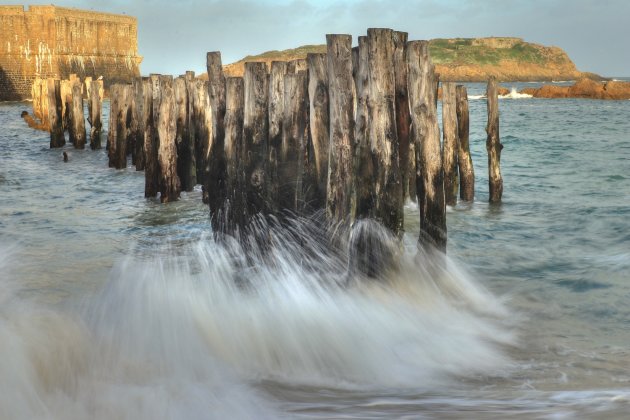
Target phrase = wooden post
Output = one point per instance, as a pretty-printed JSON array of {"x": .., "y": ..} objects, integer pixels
[
  {"x": 202, "y": 126},
  {"x": 215, "y": 181},
  {"x": 493, "y": 144},
  {"x": 44, "y": 105},
  {"x": 236, "y": 208},
  {"x": 363, "y": 165},
  {"x": 382, "y": 130},
  {"x": 341, "y": 100},
  {"x": 192, "y": 154},
  {"x": 119, "y": 114},
  {"x": 55, "y": 116},
  {"x": 276, "y": 116},
  {"x": 294, "y": 142},
  {"x": 403, "y": 119},
  {"x": 185, "y": 152},
  {"x": 426, "y": 135},
  {"x": 151, "y": 169},
  {"x": 319, "y": 123},
  {"x": 450, "y": 144},
  {"x": 76, "y": 128},
  {"x": 464, "y": 161},
  {"x": 66, "y": 104},
  {"x": 95, "y": 110},
  {"x": 137, "y": 124},
  {"x": 255, "y": 136},
  {"x": 167, "y": 149}
]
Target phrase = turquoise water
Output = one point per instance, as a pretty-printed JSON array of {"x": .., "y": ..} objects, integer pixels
[{"x": 114, "y": 306}]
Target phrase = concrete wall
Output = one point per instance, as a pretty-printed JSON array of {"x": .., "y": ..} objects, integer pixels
[{"x": 50, "y": 41}]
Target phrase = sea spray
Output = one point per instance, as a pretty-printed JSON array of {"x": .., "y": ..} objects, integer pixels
[{"x": 188, "y": 330}]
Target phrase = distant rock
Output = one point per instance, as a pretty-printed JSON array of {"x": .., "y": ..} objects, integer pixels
[
  {"x": 465, "y": 60},
  {"x": 584, "y": 88}
]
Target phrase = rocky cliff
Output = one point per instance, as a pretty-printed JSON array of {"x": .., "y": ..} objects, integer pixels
[
  {"x": 51, "y": 41},
  {"x": 466, "y": 59}
]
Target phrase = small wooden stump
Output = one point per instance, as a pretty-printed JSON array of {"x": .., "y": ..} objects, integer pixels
[
  {"x": 76, "y": 128},
  {"x": 426, "y": 133},
  {"x": 493, "y": 144},
  {"x": 464, "y": 161},
  {"x": 167, "y": 149},
  {"x": 341, "y": 101},
  {"x": 55, "y": 115},
  {"x": 255, "y": 132},
  {"x": 450, "y": 144}
]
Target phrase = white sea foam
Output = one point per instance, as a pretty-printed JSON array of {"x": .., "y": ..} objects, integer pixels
[
  {"x": 515, "y": 95},
  {"x": 188, "y": 334},
  {"x": 474, "y": 97}
]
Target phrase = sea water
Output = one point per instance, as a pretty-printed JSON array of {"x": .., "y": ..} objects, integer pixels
[{"x": 115, "y": 306}]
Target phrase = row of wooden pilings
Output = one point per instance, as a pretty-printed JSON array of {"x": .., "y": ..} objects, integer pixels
[
  {"x": 59, "y": 106},
  {"x": 353, "y": 131}
]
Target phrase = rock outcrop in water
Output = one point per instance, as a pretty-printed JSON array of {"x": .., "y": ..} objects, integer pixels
[
  {"x": 465, "y": 60},
  {"x": 583, "y": 88}
]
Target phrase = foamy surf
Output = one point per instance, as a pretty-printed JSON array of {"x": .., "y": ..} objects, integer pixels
[
  {"x": 190, "y": 334},
  {"x": 515, "y": 95}
]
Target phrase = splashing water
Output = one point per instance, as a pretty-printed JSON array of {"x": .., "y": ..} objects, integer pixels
[{"x": 190, "y": 333}]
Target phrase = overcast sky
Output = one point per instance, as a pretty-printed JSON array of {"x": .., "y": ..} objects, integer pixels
[{"x": 174, "y": 35}]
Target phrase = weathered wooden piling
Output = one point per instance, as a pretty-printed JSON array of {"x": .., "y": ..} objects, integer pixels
[
  {"x": 363, "y": 163},
  {"x": 184, "y": 143},
  {"x": 464, "y": 161},
  {"x": 202, "y": 128},
  {"x": 214, "y": 185},
  {"x": 151, "y": 169},
  {"x": 215, "y": 180},
  {"x": 450, "y": 143},
  {"x": 55, "y": 116},
  {"x": 66, "y": 104},
  {"x": 170, "y": 186},
  {"x": 382, "y": 130},
  {"x": 255, "y": 136},
  {"x": 426, "y": 133},
  {"x": 319, "y": 123},
  {"x": 39, "y": 93},
  {"x": 341, "y": 101},
  {"x": 236, "y": 206},
  {"x": 493, "y": 144},
  {"x": 136, "y": 125},
  {"x": 403, "y": 119},
  {"x": 191, "y": 152},
  {"x": 95, "y": 110},
  {"x": 294, "y": 142},
  {"x": 276, "y": 118},
  {"x": 76, "y": 129},
  {"x": 119, "y": 117}
]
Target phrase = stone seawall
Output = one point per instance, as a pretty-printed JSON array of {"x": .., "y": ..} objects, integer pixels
[{"x": 50, "y": 41}]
